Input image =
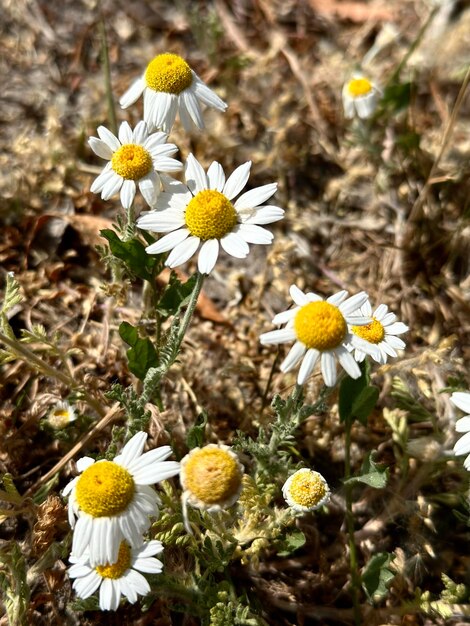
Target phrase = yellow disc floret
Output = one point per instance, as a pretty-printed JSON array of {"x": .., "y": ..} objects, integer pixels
[
  {"x": 104, "y": 489},
  {"x": 212, "y": 475},
  {"x": 131, "y": 161},
  {"x": 210, "y": 215},
  {"x": 320, "y": 325},
  {"x": 358, "y": 87},
  {"x": 118, "y": 569},
  {"x": 307, "y": 489},
  {"x": 59, "y": 418},
  {"x": 373, "y": 332},
  {"x": 169, "y": 73}
]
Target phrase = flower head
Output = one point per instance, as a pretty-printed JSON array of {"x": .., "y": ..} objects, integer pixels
[
  {"x": 203, "y": 211},
  {"x": 462, "y": 401},
  {"x": 321, "y": 329},
  {"x": 211, "y": 477},
  {"x": 306, "y": 490},
  {"x": 119, "y": 578},
  {"x": 382, "y": 332},
  {"x": 133, "y": 159},
  {"x": 360, "y": 97},
  {"x": 169, "y": 86},
  {"x": 61, "y": 415},
  {"x": 112, "y": 500}
]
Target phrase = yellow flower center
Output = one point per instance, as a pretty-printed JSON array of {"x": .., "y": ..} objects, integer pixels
[
  {"x": 358, "y": 87},
  {"x": 212, "y": 475},
  {"x": 104, "y": 489},
  {"x": 320, "y": 325},
  {"x": 373, "y": 332},
  {"x": 59, "y": 418},
  {"x": 169, "y": 73},
  {"x": 116, "y": 570},
  {"x": 210, "y": 215},
  {"x": 307, "y": 489},
  {"x": 131, "y": 161}
]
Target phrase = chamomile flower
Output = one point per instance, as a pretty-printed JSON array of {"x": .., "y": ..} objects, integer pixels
[
  {"x": 306, "y": 490},
  {"x": 462, "y": 401},
  {"x": 202, "y": 211},
  {"x": 121, "y": 578},
  {"x": 170, "y": 86},
  {"x": 321, "y": 330},
  {"x": 382, "y": 332},
  {"x": 360, "y": 96},
  {"x": 135, "y": 158},
  {"x": 61, "y": 415},
  {"x": 112, "y": 500}
]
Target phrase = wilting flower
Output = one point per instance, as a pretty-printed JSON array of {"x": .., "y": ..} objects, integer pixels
[
  {"x": 113, "y": 501},
  {"x": 462, "y": 401},
  {"x": 306, "y": 490},
  {"x": 133, "y": 159},
  {"x": 202, "y": 212},
  {"x": 169, "y": 86},
  {"x": 360, "y": 96},
  {"x": 382, "y": 332},
  {"x": 321, "y": 330},
  {"x": 61, "y": 415},
  {"x": 121, "y": 578}
]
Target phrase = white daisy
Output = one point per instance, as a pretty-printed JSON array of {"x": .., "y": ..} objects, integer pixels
[
  {"x": 360, "y": 96},
  {"x": 382, "y": 332},
  {"x": 306, "y": 490},
  {"x": 62, "y": 415},
  {"x": 113, "y": 501},
  {"x": 321, "y": 329},
  {"x": 169, "y": 86},
  {"x": 135, "y": 158},
  {"x": 122, "y": 578},
  {"x": 462, "y": 401},
  {"x": 202, "y": 212}
]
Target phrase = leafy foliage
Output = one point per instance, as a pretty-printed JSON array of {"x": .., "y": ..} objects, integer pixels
[
  {"x": 371, "y": 473},
  {"x": 142, "y": 354},
  {"x": 132, "y": 253},
  {"x": 357, "y": 397},
  {"x": 376, "y": 576}
]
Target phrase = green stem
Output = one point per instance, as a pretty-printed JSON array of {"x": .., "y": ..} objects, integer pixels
[
  {"x": 355, "y": 577},
  {"x": 107, "y": 75}
]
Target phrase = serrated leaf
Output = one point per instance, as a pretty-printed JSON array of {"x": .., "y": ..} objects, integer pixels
[
  {"x": 372, "y": 474},
  {"x": 292, "y": 542},
  {"x": 176, "y": 295},
  {"x": 133, "y": 254},
  {"x": 142, "y": 354},
  {"x": 376, "y": 575},
  {"x": 195, "y": 437}
]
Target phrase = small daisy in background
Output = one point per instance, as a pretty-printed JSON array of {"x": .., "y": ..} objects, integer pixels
[
  {"x": 202, "y": 212},
  {"x": 321, "y": 330},
  {"x": 134, "y": 159},
  {"x": 306, "y": 490},
  {"x": 61, "y": 415},
  {"x": 382, "y": 332},
  {"x": 170, "y": 86},
  {"x": 461, "y": 400},
  {"x": 360, "y": 97},
  {"x": 113, "y": 500},
  {"x": 121, "y": 578},
  {"x": 211, "y": 478}
]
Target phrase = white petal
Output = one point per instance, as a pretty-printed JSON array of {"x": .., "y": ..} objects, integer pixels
[
  {"x": 149, "y": 187},
  {"x": 195, "y": 176},
  {"x": 109, "y": 138},
  {"x": 151, "y": 548},
  {"x": 140, "y": 133},
  {"x": 298, "y": 295},
  {"x": 102, "y": 179},
  {"x": 168, "y": 242},
  {"x": 161, "y": 221},
  {"x": 337, "y": 298},
  {"x": 252, "y": 233},
  {"x": 148, "y": 565},
  {"x": 209, "y": 97},
  {"x": 183, "y": 251},
  {"x": 263, "y": 215},
  {"x": 157, "y": 140},
  {"x": 396, "y": 329},
  {"x": 349, "y": 108},
  {"x": 138, "y": 582},
  {"x": 461, "y": 399},
  {"x": 395, "y": 342},
  {"x": 184, "y": 116},
  {"x": 237, "y": 180},
  {"x": 139, "y": 460},
  {"x": 365, "y": 106},
  {"x": 87, "y": 585},
  {"x": 167, "y": 164},
  {"x": 256, "y": 196},
  {"x": 133, "y": 93},
  {"x": 283, "y": 335},
  {"x": 353, "y": 303},
  {"x": 462, "y": 446},
  {"x": 348, "y": 362},
  {"x": 192, "y": 106},
  {"x": 127, "y": 193},
  {"x": 112, "y": 186},
  {"x": 328, "y": 368},
  {"x": 109, "y": 598},
  {"x": 216, "y": 176},
  {"x": 295, "y": 354},
  {"x": 307, "y": 366},
  {"x": 463, "y": 424},
  {"x": 235, "y": 245},
  {"x": 132, "y": 450},
  {"x": 156, "y": 473},
  {"x": 82, "y": 534},
  {"x": 84, "y": 463},
  {"x": 125, "y": 133},
  {"x": 100, "y": 148},
  {"x": 379, "y": 313},
  {"x": 164, "y": 106},
  {"x": 208, "y": 255},
  {"x": 285, "y": 316}
]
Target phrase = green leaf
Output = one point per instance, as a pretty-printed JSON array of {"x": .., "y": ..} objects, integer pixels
[
  {"x": 195, "y": 437},
  {"x": 292, "y": 542},
  {"x": 364, "y": 404},
  {"x": 372, "y": 474},
  {"x": 397, "y": 96},
  {"x": 133, "y": 254},
  {"x": 356, "y": 397},
  {"x": 376, "y": 575},
  {"x": 142, "y": 354},
  {"x": 175, "y": 295}
]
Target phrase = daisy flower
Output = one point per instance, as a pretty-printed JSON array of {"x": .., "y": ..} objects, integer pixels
[
  {"x": 306, "y": 490},
  {"x": 62, "y": 415},
  {"x": 169, "y": 86},
  {"x": 120, "y": 578},
  {"x": 382, "y": 332},
  {"x": 112, "y": 500},
  {"x": 360, "y": 96},
  {"x": 462, "y": 446},
  {"x": 135, "y": 158},
  {"x": 321, "y": 330},
  {"x": 202, "y": 212}
]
